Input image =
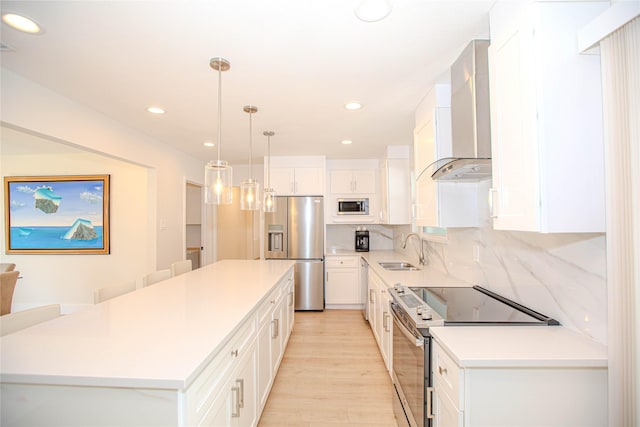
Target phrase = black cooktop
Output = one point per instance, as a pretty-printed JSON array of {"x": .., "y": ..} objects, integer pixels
[{"x": 474, "y": 305}]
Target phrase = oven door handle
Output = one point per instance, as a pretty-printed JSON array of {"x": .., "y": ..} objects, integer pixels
[{"x": 419, "y": 341}]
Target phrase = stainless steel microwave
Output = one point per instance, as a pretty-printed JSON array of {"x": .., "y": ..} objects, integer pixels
[{"x": 358, "y": 206}]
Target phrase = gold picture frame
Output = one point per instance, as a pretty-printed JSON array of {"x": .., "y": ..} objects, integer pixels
[{"x": 67, "y": 214}]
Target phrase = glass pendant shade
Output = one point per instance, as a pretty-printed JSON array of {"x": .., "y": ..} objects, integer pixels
[
  {"x": 218, "y": 181},
  {"x": 250, "y": 195},
  {"x": 269, "y": 200},
  {"x": 249, "y": 188},
  {"x": 218, "y": 174}
]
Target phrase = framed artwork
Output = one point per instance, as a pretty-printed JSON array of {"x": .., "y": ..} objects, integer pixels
[{"x": 57, "y": 214}]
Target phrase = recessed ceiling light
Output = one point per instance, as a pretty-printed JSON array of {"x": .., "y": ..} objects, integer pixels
[
  {"x": 21, "y": 23},
  {"x": 373, "y": 10},
  {"x": 353, "y": 105},
  {"x": 346, "y": 142},
  {"x": 155, "y": 110},
  {"x": 209, "y": 144}
]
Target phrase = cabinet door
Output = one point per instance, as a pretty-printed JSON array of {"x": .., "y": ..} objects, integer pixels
[
  {"x": 445, "y": 414},
  {"x": 309, "y": 182},
  {"x": 364, "y": 181},
  {"x": 341, "y": 181},
  {"x": 515, "y": 161},
  {"x": 277, "y": 334},
  {"x": 341, "y": 286},
  {"x": 236, "y": 403},
  {"x": 264, "y": 374},
  {"x": 282, "y": 180},
  {"x": 387, "y": 329},
  {"x": 426, "y": 188}
]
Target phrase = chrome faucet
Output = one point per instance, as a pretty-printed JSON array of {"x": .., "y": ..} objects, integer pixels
[{"x": 421, "y": 254}]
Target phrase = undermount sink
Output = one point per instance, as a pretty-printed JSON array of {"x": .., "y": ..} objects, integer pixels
[{"x": 397, "y": 266}]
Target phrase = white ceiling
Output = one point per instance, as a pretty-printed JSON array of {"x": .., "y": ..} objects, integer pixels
[{"x": 298, "y": 61}]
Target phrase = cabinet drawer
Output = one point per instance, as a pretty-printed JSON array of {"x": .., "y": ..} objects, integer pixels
[
  {"x": 201, "y": 393},
  {"x": 448, "y": 377},
  {"x": 267, "y": 306},
  {"x": 342, "y": 262}
]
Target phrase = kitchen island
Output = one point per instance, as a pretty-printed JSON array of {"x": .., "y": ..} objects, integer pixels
[{"x": 184, "y": 351}]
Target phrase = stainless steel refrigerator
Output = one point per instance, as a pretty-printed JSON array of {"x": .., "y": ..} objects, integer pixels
[{"x": 296, "y": 231}]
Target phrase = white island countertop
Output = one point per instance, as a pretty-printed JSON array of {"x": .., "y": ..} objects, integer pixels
[
  {"x": 160, "y": 336},
  {"x": 519, "y": 347}
]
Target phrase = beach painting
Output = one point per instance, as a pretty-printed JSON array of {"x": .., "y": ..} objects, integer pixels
[{"x": 57, "y": 214}]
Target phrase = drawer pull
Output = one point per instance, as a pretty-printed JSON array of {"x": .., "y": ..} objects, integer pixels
[
  {"x": 234, "y": 353},
  {"x": 240, "y": 383},
  {"x": 429, "y": 404},
  {"x": 442, "y": 371},
  {"x": 235, "y": 412}
]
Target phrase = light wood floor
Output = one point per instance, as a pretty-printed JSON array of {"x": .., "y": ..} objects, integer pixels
[{"x": 332, "y": 374}]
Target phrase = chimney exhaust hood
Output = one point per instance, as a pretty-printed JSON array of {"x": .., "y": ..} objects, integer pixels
[{"x": 470, "y": 122}]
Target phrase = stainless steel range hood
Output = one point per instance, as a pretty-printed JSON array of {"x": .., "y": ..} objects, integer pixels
[{"x": 470, "y": 122}]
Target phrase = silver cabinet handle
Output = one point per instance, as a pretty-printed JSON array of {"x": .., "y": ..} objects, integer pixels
[
  {"x": 275, "y": 323},
  {"x": 234, "y": 353},
  {"x": 290, "y": 299},
  {"x": 240, "y": 383},
  {"x": 429, "y": 404},
  {"x": 235, "y": 412},
  {"x": 493, "y": 203},
  {"x": 371, "y": 295}
]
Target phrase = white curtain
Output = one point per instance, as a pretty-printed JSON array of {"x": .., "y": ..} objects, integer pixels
[{"x": 620, "y": 57}]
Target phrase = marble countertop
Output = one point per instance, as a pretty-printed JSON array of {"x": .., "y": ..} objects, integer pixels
[
  {"x": 426, "y": 276},
  {"x": 160, "y": 336},
  {"x": 494, "y": 346},
  {"x": 519, "y": 347}
]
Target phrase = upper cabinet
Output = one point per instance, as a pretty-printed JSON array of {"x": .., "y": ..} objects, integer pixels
[
  {"x": 297, "y": 175},
  {"x": 352, "y": 181},
  {"x": 546, "y": 119},
  {"x": 395, "y": 186},
  {"x": 438, "y": 203}
]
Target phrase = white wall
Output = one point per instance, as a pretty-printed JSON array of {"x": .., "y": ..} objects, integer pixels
[
  {"x": 71, "y": 279},
  {"x": 28, "y": 106}
]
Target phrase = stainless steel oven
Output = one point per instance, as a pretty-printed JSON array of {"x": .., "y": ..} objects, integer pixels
[
  {"x": 414, "y": 311},
  {"x": 409, "y": 374}
]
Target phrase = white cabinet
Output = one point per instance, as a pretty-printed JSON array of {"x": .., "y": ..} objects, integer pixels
[
  {"x": 526, "y": 396},
  {"x": 275, "y": 323},
  {"x": 297, "y": 175},
  {"x": 395, "y": 191},
  {"x": 342, "y": 283},
  {"x": 546, "y": 119},
  {"x": 380, "y": 316},
  {"x": 236, "y": 404},
  {"x": 288, "y": 181},
  {"x": 440, "y": 204},
  {"x": 352, "y": 181}
]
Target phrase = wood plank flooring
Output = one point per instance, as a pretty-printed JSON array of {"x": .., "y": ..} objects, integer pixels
[{"x": 332, "y": 374}]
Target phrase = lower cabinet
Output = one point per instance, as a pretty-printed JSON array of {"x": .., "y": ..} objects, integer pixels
[
  {"x": 233, "y": 389},
  {"x": 342, "y": 284},
  {"x": 236, "y": 403},
  {"x": 524, "y": 396},
  {"x": 380, "y": 316}
]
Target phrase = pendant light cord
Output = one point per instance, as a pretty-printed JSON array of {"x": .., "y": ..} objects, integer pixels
[
  {"x": 250, "y": 146},
  {"x": 219, "y": 110},
  {"x": 269, "y": 162}
]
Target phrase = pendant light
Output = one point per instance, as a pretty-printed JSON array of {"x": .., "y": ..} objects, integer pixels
[
  {"x": 218, "y": 174},
  {"x": 249, "y": 188},
  {"x": 269, "y": 194}
]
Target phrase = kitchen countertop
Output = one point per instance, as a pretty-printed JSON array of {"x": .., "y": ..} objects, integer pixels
[
  {"x": 160, "y": 336},
  {"x": 426, "y": 276},
  {"x": 494, "y": 346},
  {"x": 519, "y": 347}
]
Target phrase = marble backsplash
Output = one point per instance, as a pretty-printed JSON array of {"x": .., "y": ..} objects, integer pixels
[{"x": 559, "y": 275}]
